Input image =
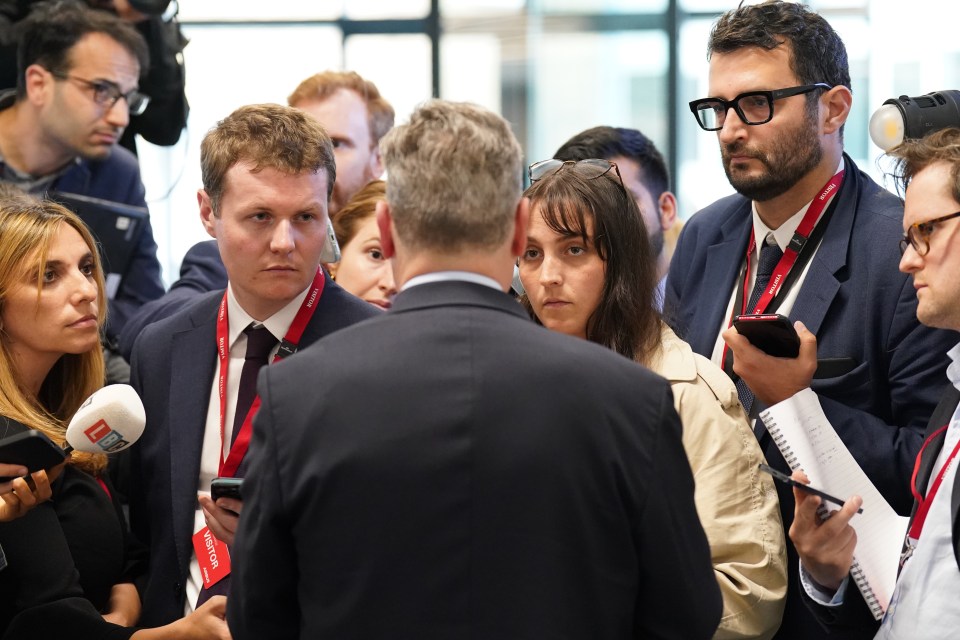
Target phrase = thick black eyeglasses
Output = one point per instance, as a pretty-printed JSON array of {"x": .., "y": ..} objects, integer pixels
[
  {"x": 106, "y": 93},
  {"x": 918, "y": 234},
  {"x": 753, "y": 107},
  {"x": 590, "y": 168}
]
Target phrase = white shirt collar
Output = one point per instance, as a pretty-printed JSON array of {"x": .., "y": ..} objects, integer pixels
[
  {"x": 448, "y": 276},
  {"x": 278, "y": 324},
  {"x": 784, "y": 234},
  {"x": 953, "y": 370}
]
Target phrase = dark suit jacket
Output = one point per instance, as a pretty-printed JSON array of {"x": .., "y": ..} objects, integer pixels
[
  {"x": 201, "y": 271},
  {"x": 853, "y": 613},
  {"x": 863, "y": 312},
  {"x": 172, "y": 369},
  {"x": 452, "y": 470}
]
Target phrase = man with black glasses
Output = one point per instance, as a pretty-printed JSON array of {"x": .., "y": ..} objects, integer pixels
[
  {"x": 803, "y": 238},
  {"x": 77, "y": 86}
]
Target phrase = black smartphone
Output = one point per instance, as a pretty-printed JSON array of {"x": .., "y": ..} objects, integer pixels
[
  {"x": 772, "y": 333},
  {"x": 779, "y": 476},
  {"x": 226, "y": 488},
  {"x": 32, "y": 449}
]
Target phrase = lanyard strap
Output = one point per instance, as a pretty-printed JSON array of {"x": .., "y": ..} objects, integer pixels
[
  {"x": 288, "y": 346},
  {"x": 923, "y": 503},
  {"x": 802, "y": 245}
]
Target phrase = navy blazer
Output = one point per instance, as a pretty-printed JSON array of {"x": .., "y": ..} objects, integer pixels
[
  {"x": 862, "y": 310},
  {"x": 172, "y": 368},
  {"x": 201, "y": 271},
  {"x": 452, "y": 470}
]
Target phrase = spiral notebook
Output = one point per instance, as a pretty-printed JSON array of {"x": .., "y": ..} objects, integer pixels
[{"x": 808, "y": 442}]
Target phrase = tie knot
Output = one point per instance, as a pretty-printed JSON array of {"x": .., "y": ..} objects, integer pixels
[
  {"x": 770, "y": 255},
  {"x": 259, "y": 342}
]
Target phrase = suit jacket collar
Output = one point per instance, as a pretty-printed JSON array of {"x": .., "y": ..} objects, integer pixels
[
  {"x": 928, "y": 457},
  {"x": 725, "y": 259},
  {"x": 455, "y": 293}
]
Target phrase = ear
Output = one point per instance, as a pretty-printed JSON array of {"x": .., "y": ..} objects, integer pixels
[
  {"x": 836, "y": 105},
  {"x": 207, "y": 216},
  {"x": 385, "y": 225},
  {"x": 39, "y": 83},
  {"x": 520, "y": 223},
  {"x": 376, "y": 163},
  {"x": 667, "y": 203},
  {"x": 332, "y": 269}
]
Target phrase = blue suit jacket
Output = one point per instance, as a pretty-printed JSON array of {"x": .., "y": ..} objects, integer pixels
[
  {"x": 172, "y": 369},
  {"x": 862, "y": 310}
]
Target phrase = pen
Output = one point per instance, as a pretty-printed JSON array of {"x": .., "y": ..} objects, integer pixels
[{"x": 785, "y": 479}]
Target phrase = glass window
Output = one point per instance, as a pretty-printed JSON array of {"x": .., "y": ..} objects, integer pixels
[
  {"x": 247, "y": 10},
  {"x": 216, "y": 85},
  {"x": 398, "y": 64},
  {"x": 384, "y": 9}
]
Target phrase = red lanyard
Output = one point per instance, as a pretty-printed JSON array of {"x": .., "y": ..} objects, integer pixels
[
  {"x": 787, "y": 261},
  {"x": 228, "y": 466},
  {"x": 923, "y": 503}
]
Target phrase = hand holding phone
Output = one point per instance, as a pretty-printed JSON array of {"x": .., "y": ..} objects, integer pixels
[
  {"x": 770, "y": 332},
  {"x": 226, "y": 488},
  {"x": 31, "y": 449}
]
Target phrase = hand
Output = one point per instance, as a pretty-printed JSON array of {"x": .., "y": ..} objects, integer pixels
[
  {"x": 206, "y": 623},
  {"x": 773, "y": 379},
  {"x": 221, "y": 516},
  {"x": 124, "y": 606},
  {"x": 21, "y": 498},
  {"x": 11, "y": 471},
  {"x": 826, "y": 546}
]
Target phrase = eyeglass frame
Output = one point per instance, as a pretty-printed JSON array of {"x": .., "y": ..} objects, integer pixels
[
  {"x": 561, "y": 164},
  {"x": 131, "y": 97},
  {"x": 771, "y": 96},
  {"x": 910, "y": 237}
]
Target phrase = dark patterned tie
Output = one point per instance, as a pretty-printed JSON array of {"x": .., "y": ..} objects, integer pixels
[
  {"x": 770, "y": 255},
  {"x": 259, "y": 344}
]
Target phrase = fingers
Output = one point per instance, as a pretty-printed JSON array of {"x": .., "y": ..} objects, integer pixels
[
  {"x": 222, "y": 523},
  {"x": 11, "y": 471},
  {"x": 41, "y": 484}
]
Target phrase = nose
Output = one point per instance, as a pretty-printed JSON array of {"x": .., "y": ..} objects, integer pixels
[
  {"x": 733, "y": 127},
  {"x": 85, "y": 289},
  {"x": 387, "y": 284},
  {"x": 910, "y": 261},
  {"x": 282, "y": 240},
  {"x": 550, "y": 271},
  {"x": 118, "y": 115}
]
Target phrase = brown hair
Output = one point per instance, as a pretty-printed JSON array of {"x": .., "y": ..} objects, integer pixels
[
  {"x": 625, "y": 320},
  {"x": 27, "y": 226},
  {"x": 361, "y": 206},
  {"x": 914, "y": 155},
  {"x": 321, "y": 86},
  {"x": 265, "y": 136}
]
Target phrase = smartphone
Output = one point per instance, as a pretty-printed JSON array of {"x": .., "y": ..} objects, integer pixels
[
  {"x": 772, "y": 333},
  {"x": 226, "y": 488},
  {"x": 779, "y": 476},
  {"x": 32, "y": 449}
]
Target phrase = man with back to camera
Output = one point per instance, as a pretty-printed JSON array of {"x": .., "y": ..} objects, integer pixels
[
  {"x": 450, "y": 473},
  {"x": 779, "y": 87},
  {"x": 77, "y": 85},
  {"x": 923, "y": 604},
  {"x": 268, "y": 172},
  {"x": 356, "y": 117},
  {"x": 644, "y": 174}
]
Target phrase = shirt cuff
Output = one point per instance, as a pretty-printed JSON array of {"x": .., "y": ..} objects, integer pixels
[{"x": 819, "y": 594}]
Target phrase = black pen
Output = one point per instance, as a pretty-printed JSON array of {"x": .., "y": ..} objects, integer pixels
[{"x": 785, "y": 479}]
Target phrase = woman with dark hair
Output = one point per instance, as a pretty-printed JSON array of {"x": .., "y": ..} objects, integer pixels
[
  {"x": 588, "y": 271},
  {"x": 67, "y": 565}
]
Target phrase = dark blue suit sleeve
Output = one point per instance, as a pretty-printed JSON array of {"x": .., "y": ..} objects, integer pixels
[{"x": 263, "y": 591}]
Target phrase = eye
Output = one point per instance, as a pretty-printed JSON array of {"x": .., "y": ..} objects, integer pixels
[
  {"x": 925, "y": 228},
  {"x": 259, "y": 216},
  {"x": 376, "y": 254},
  {"x": 576, "y": 250},
  {"x": 530, "y": 254},
  {"x": 306, "y": 217},
  {"x": 88, "y": 269},
  {"x": 104, "y": 92},
  {"x": 49, "y": 275}
]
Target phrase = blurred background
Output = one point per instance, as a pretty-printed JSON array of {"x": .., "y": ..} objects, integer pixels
[{"x": 550, "y": 67}]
